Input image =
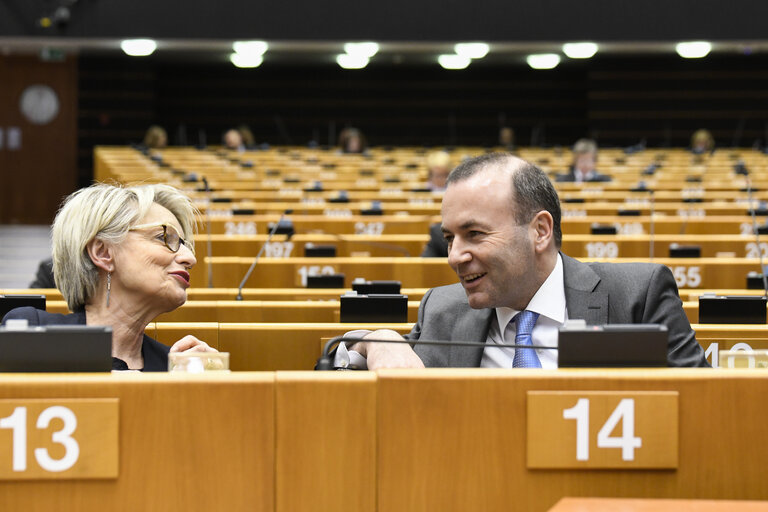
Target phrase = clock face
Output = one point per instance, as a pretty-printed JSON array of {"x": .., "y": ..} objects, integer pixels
[{"x": 39, "y": 104}]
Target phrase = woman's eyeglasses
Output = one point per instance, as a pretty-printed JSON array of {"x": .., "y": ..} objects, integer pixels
[{"x": 171, "y": 237}]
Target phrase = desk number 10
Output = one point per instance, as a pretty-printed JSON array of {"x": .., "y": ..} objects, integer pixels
[
  {"x": 624, "y": 412},
  {"x": 17, "y": 422}
]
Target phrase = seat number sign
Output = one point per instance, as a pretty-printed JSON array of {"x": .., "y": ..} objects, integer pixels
[
  {"x": 595, "y": 430},
  {"x": 58, "y": 438}
]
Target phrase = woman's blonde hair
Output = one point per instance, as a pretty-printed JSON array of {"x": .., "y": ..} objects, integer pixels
[{"x": 105, "y": 212}]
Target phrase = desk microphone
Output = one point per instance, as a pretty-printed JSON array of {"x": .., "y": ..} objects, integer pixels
[
  {"x": 256, "y": 259},
  {"x": 325, "y": 363},
  {"x": 208, "y": 241},
  {"x": 752, "y": 209}
]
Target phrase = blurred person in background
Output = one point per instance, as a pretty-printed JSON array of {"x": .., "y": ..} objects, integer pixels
[
  {"x": 352, "y": 140},
  {"x": 156, "y": 137},
  {"x": 438, "y": 168},
  {"x": 584, "y": 166},
  {"x": 702, "y": 142},
  {"x": 233, "y": 140}
]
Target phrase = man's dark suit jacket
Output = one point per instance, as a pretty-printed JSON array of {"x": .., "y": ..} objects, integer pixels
[
  {"x": 437, "y": 247},
  {"x": 570, "y": 177},
  {"x": 600, "y": 293},
  {"x": 155, "y": 354}
]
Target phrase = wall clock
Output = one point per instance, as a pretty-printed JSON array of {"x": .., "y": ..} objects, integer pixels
[{"x": 39, "y": 104}]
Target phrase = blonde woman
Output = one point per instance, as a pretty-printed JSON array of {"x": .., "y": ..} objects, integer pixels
[{"x": 121, "y": 257}]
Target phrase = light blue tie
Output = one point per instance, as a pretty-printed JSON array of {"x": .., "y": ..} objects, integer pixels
[{"x": 525, "y": 357}]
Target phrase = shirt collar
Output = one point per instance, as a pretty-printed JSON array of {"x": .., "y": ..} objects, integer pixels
[{"x": 549, "y": 300}]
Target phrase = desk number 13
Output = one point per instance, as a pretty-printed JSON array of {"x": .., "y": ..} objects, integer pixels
[
  {"x": 624, "y": 412},
  {"x": 17, "y": 422}
]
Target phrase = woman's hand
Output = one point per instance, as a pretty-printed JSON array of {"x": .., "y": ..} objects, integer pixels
[{"x": 190, "y": 343}]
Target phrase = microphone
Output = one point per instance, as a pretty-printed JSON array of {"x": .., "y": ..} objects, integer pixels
[
  {"x": 325, "y": 363},
  {"x": 209, "y": 243},
  {"x": 256, "y": 259},
  {"x": 752, "y": 209}
]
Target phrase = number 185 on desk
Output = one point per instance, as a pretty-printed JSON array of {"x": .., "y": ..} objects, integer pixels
[{"x": 602, "y": 429}]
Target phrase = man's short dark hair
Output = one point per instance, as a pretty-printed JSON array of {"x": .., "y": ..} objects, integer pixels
[{"x": 532, "y": 189}]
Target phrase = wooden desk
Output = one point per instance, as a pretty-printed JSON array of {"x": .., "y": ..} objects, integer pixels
[
  {"x": 454, "y": 440},
  {"x": 430, "y": 272},
  {"x": 651, "y": 505},
  {"x": 273, "y": 346},
  {"x": 396, "y": 441},
  {"x": 196, "y": 443},
  {"x": 292, "y": 272}
]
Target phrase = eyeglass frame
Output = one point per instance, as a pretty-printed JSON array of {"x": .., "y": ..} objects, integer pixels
[{"x": 165, "y": 227}]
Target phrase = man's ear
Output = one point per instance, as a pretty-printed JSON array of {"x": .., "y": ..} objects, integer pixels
[
  {"x": 101, "y": 254},
  {"x": 543, "y": 226}
]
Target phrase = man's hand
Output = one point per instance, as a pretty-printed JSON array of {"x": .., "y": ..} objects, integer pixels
[
  {"x": 387, "y": 355},
  {"x": 190, "y": 343}
]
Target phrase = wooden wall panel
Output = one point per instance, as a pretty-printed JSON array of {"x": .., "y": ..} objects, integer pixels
[{"x": 42, "y": 171}]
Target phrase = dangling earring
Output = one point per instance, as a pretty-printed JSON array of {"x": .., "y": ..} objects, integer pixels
[{"x": 109, "y": 285}]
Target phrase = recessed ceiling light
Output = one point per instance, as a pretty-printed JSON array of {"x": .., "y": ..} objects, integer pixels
[
  {"x": 579, "y": 50},
  {"x": 255, "y": 48},
  {"x": 367, "y": 49},
  {"x": 348, "y": 61},
  {"x": 138, "y": 47},
  {"x": 242, "y": 60},
  {"x": 543, "y": 60},
  {"x": 693, "y": 49},
  {"x": 452, "y": 61},
  {"x": 472, "y": 50}
]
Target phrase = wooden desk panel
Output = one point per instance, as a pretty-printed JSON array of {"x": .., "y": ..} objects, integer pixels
[
  {"x": 455, "y": 440},
  {"x": 234, "y": 311},
  {"x": 272, "y": 346},
  {"x": 304, "y": 224},
  {"x": 186, "y": 443},
  {"x": 170, "y": 332},
  {"x": 326, "y": 449},
  {"x": 651, "y": 505},
  {"x": 346, "y": 245},
  {"x": 430, "y": 272},
  {"x": 288, "y": 272}
]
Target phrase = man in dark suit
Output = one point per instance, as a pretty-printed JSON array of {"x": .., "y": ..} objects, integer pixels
[
  {"x": 437, "y": 247},
  {"x": 584, "y": 166},
  {"x": 501, "y": 218}
]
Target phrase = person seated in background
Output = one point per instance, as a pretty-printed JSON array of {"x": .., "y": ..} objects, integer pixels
[
  {"x": 121, "y": 257},
  {"x": 437, "y": 247},
  {"x": 156, "y": 137},
  {"x": 44, "y": 277},
  {"x": 702, "y": 142},
  {"x": 501, "y": 220},
  {"x": 233, "y": 140},
  {"x": 352, "y": 140},
  {"x": 584, "y": 166},
  {"x": 438, "y": 168},
  {"x": 246, "y": 135},
  {"x": 507, "y": 138}
]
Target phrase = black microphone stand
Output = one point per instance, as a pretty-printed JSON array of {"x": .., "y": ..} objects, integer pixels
[
  {"x": 209, "y": 243},
  {"x": 256, "y": 259},
  {"x": 325, "y": 363}
]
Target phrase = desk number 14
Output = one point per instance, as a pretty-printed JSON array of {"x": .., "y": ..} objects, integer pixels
[{"x": 625, "y": 412}]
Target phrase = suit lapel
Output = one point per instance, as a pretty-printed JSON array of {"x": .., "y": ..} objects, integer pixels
[
  {"x": 472, "y": 326},
  {"x": 581, "y": 298}
]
